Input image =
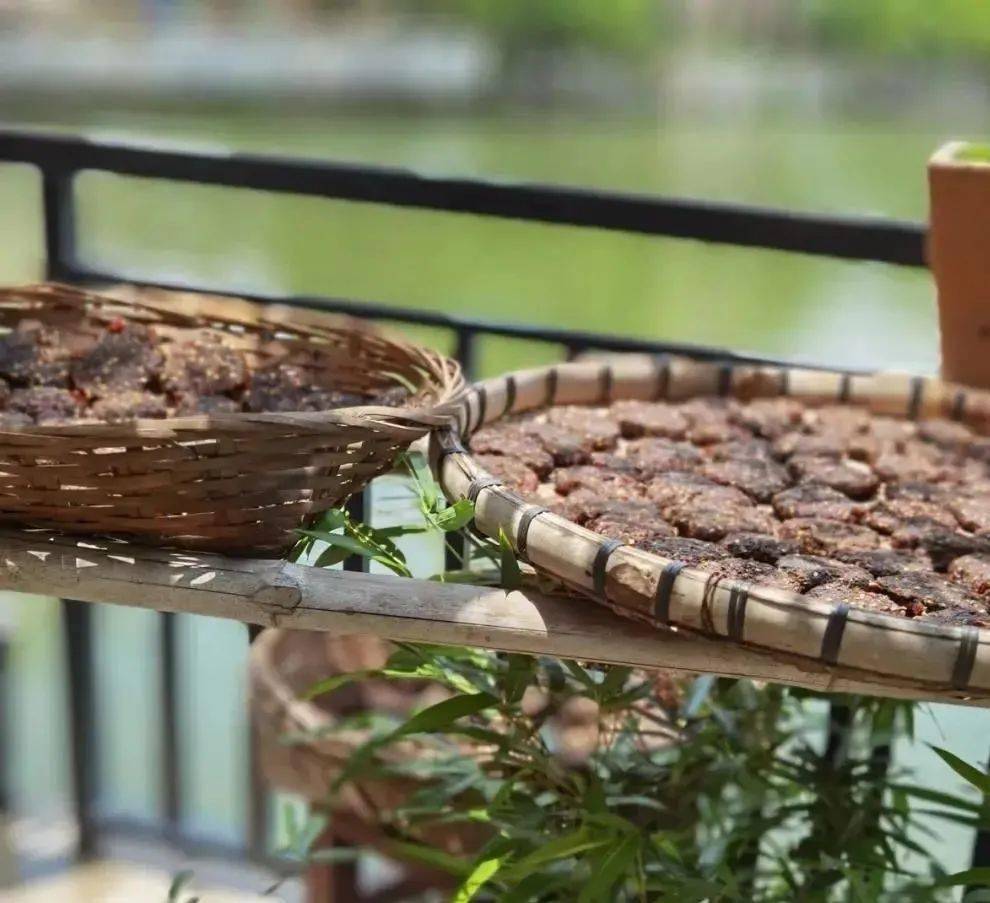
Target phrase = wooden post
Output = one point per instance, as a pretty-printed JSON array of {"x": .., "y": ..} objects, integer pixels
[{"x": 959, "y": 255}]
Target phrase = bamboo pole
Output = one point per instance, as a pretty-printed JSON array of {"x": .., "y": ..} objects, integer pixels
[{"x": 276, "y": 593}]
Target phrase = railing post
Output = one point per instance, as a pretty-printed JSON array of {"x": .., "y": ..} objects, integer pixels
[
  {"x": 258, "y": 795},
  {"x": 171, "y": 786},
  {"x": 77, "y": 620},
  {"x": 466, "y": 352},
  {"x": 58, "y": 201},
  {"x": 981, "y": 845},
  {"x": 359, "y": 508}
]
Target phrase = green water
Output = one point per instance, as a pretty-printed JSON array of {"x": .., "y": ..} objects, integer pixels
[
  {"x": 857, "y": 314},
  {"x": 777, "y": 303}
]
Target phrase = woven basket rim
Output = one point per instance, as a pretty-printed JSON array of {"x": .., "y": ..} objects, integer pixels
[
  {"x": 834, "y": 636},
  {"x": 441, "y": 374}
]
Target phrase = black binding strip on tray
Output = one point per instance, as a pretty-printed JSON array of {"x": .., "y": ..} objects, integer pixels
[
  {"x": 738, "y": 597},
  {"x": 785, "y": 381},
  {"x": 665, "y": 587},
  {"x": 605, "y": 550},
  {"x": 663, "y": 378},
  {"x": 845, "y": 387},
  {"x": 914, "y": 403},
  {"x": 510, "y": 394},
  {"x": 552, "y": 377},
  {"x": 832, "y": 641},
  {"x": 958, "y": 405},
  {"x": 724, "y": 379},
  {"x": 482, "y": 394},
  {"x": 522, "y": 532},
  {"x": 607, "y": 379},
  {"x": 451, "y": 446},
  {"x": 464, "y": 417},
  {"x": 474, "y": 490},
  {"x": 969, "y": 641}
]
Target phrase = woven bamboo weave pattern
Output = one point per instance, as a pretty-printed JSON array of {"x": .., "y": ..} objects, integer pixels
[{"x": 239, "y": 482}]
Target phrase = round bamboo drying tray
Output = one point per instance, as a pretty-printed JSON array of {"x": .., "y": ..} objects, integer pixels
[
  {"x": 238, "y": 483},
  {"x": 949, "y": 661}
]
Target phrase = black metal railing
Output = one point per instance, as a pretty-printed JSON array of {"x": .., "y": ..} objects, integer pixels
[{"x": 61, "y": 159}]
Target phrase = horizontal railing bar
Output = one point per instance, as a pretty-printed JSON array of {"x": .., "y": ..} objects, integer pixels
[
  {"x": 850, "y": 237},
  {"x": 376, "y": 310},
  {"x": 192, "y": 843}
]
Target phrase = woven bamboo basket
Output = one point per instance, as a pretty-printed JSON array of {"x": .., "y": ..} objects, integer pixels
[
  {"x": 302, "y": 748},
  {"x": 946, "y": 661},
  {"x": 237, "y": 483}
]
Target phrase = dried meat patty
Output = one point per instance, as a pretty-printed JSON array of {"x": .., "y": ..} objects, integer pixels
[
  {"x": 599, "y": 430},
  {"x": 190, "y": 405},
  {"x": 759, "y": 479},
  {"x": 814, "y": 500},
  {"x": 513, "y": 444},
  {"x": 635, "y": 523},
  {"x": 758, "y": 546},
  {"x": 852, "y": 478},
  {"x": 44, "y": 405},
  {"x": 839, "y": 593},
  {"x": 205, "y": 367},
  {"x": 514, "y": 474},
  {"x": 972, "y": 572},
  {"x": 644, "y": 418},
  {"x": 28, "y": 358},
  {"x": 124, "y": 361},
  {"x": 813, "y": 570},
  {"x": 129, "y": 371},
  {"x": 693, "y": 552},
  {"x": 842, "y": 505},
  {"x": 129, "y": 406},
  {"x": 654, "y": 456}
]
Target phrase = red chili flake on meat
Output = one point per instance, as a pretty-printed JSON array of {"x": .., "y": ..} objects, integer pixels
[{"x": 117, "y": 324}]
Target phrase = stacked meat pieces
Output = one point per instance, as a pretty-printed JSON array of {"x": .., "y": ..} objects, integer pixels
[
  {"x": 832, "y": 502},
  {"x": 125, "y": 370}
]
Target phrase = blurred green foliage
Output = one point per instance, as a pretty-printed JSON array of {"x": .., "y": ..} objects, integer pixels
[
  {"x": 630, "y": 27},
  {"x": 910, "y": 27},
  {"x": 915, "y": 28}
]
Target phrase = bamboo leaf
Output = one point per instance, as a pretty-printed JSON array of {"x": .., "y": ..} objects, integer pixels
[
  {"x": 443, "y": 713},
  {"x": 331, "y": 556},
  {"x": 455, "y": 517},
  {"x": 402, "y": 530},
  {"x": 423, "y": 479},
  {"x": 330, "y": 520},
  {"x": 580, "y": 674},
  {"x": 480, "y": 875},
  {"x": 431, "y": 856},
  {"x": 580, "y": 841},
  {"x": 508, "y": 565},
  {"x": 610, "y": 870},
  {"x": 178, "y": 885},
  {"x": 980, "y": 875},
  {"x": 979, "y": 779}
]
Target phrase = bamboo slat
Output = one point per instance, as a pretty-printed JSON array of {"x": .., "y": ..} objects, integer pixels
[{"x": 276, "y": 593}]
